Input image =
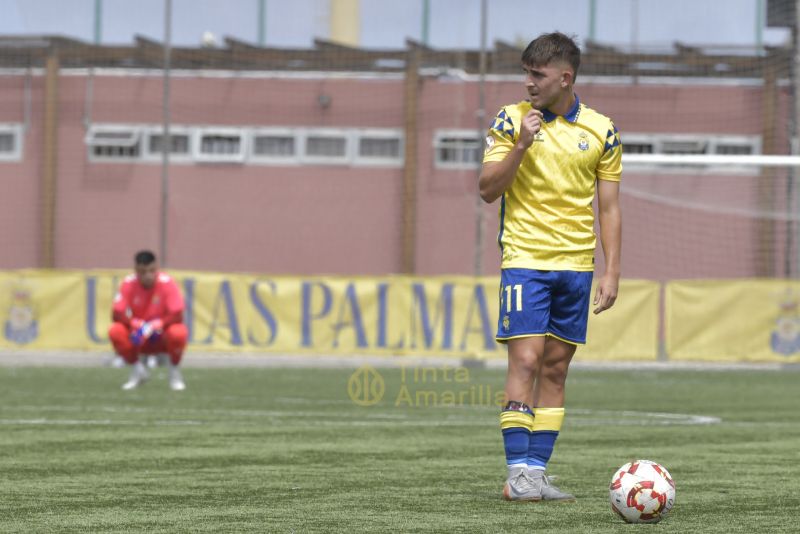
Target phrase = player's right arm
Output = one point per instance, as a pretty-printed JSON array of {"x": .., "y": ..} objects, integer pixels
[
  {"x": 497, "y": 176},
  {"x": 121, "y": 309},
  {"x": 173, "y": 312}
]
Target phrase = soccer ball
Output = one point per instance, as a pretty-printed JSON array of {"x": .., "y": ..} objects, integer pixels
[{"x": 642, "y": 492}]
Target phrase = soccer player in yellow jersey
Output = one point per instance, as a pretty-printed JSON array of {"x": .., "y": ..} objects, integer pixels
[{"x": 547, "y": 158}]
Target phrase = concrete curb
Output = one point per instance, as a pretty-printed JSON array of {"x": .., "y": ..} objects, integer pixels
[{"x": 11, "y": 358}]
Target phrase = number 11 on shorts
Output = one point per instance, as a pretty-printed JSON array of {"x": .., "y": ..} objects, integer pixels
[{"x": 517, "y": 290}]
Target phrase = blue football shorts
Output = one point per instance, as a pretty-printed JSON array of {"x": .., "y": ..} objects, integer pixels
[{"x": 538, "y": 303}]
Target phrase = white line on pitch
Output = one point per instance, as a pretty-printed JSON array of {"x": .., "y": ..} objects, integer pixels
[{"x": 96, "y": 422}]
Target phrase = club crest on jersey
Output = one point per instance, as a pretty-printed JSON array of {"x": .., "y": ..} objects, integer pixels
[
  {"x": 506, "y": 323},
  {"x": 539, "y": 137},
  {"x": 583, "y": 143},
  {"x": 21, "y": 327}
]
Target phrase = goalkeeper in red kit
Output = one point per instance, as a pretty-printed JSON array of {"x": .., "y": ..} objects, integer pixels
[{"x": 148, "y": 319}]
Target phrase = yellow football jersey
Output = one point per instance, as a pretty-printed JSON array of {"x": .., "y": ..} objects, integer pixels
[{"x": 546, "y": 215}]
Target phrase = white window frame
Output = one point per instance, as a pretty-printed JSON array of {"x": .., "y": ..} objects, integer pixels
[
  {"x": 197, "y": 144},
  {"x": 15, "y": 129},
  {"x": 134, "y": 139},
  {"x": 275, "y": 160},
  {"x": 640, "y": 139},
  {"x": 344, "y": 133},
  {"x": 662, "y": 140},
  {"x": 753, "y": 141},
  {"x": 378, "y": 133},
  {"x": 150, "y": 131},
  {"x": 712, "y": 141},
  {"x": 439, "y": 135}
]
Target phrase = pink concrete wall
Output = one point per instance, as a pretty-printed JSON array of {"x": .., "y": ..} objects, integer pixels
[
  {"x": 20, "y": 207},
  {"x": 229, "y": 217},
  {"x": 341, "y": 219}
]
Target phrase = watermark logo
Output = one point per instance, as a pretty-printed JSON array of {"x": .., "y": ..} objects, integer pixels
[
  {"x": 366, "y": 386},
  {"x": 423, "y": 387},
  {"x": 444, "y": 386}
]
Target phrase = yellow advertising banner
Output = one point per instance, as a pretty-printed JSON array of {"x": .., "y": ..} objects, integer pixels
[
  {"x": 435, "y": 316},
  {"x": 629, "y": 331},
  {"x": 42, "y": 309},
  {"x": 733, "y": 320}
]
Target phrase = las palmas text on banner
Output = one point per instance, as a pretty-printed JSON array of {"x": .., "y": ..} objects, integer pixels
[{"x": 437, "y": 316}]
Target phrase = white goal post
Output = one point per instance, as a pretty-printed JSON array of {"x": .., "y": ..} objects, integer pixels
[{"x": 712, "y": 159}]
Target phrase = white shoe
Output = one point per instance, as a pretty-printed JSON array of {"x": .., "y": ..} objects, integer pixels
[
  {"x": 176, "y": 382},
  {"x": 139, "y": 376},
  {"x": 116, "y": 362}
]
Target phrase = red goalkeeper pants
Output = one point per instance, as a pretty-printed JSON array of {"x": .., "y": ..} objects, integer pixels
[{"x": 172, "y": 341}]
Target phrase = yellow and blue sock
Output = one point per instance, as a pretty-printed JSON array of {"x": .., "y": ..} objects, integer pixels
[
  {"x": 516, "y": 423},
  {"x": 545, "y": 429}
]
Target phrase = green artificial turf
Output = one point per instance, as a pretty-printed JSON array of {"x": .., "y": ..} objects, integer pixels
[{"x": 287, "y": 450}]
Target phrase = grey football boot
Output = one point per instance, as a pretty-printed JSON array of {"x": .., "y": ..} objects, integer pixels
[
  {"x": 520, "y": 487},
  {"x": 543, "y": 487}
]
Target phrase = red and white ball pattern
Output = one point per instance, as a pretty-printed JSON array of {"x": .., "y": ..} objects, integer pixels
[{"x": 642, "y": 492}]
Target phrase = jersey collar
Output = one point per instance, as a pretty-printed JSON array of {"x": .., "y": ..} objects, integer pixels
[{"x": 571, "y": 115}]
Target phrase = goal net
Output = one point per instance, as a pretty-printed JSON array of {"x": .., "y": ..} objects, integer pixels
[{"x": 710, "y": 216}]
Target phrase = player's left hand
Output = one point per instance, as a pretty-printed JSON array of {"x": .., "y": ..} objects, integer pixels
[
  {"x": 157, "y": 326},
  {"x": 606, "y": 293}
]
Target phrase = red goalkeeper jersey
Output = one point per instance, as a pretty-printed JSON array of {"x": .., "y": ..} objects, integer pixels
[{"x": 162, "y": 301}]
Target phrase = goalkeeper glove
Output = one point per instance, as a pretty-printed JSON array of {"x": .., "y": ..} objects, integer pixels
[
  {"x": 157, "y": 325},
  {"x": 146, "y": 331}
]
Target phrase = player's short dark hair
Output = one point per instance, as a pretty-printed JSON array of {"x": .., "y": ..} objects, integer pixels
[
  {"x": 144, "y": 257},
  {"x": 550, "y": 47}
]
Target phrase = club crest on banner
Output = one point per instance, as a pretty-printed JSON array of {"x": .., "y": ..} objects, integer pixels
[
  {"x": 785, "y": 338},
  {"x": 21, "y": 326}
]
